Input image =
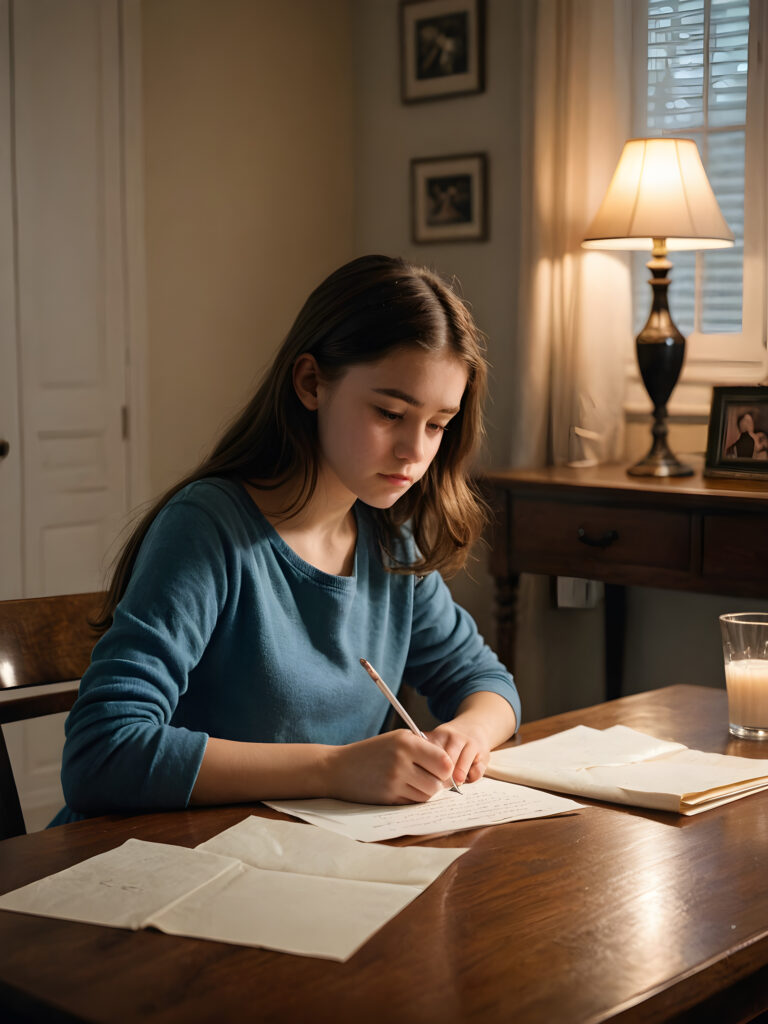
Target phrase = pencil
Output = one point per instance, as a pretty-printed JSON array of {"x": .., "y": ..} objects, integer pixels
[{"x": 398, "y": 707}]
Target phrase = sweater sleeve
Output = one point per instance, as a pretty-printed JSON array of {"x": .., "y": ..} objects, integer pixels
[
  {"x": 448, "y": 659},
  {"x": 121, "y": 753}
]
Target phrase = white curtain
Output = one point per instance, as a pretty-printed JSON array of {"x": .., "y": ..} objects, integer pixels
[
  {"x": 574, "y": 330},
  {"x": 574, "y": 325}
]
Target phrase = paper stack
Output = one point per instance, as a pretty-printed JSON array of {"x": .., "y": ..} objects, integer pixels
[{"x": 623, "y": 766}]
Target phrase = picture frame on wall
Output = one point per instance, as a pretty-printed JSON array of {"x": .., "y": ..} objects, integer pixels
[
  {"x": 442, "y": 48},
  {"x": 449, "y": 198},
  {"x": 737, "y": 438}
]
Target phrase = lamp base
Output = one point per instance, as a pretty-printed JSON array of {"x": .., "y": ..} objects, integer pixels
[
  {"x": 660, "y": 464},
  {"x": 660, "y": 352}
]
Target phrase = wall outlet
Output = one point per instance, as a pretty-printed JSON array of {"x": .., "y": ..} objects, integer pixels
[{"x": 572, "y": 592}]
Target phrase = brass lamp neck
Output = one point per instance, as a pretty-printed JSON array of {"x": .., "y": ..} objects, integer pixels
[{"x": 659, "y": 248}]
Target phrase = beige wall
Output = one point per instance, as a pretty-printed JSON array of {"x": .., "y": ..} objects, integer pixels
[
  {"x": 248, "y": 182},
  {"x": 388, "y": 134}
]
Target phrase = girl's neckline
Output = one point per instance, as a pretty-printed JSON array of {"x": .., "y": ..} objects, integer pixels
[{"x": 279, "y": 542}]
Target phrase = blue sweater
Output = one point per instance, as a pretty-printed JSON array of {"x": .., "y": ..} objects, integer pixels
[{"x": 225, "y": 631}]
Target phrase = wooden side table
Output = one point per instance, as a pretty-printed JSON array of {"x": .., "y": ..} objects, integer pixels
[{"x": 693, "y": 533}]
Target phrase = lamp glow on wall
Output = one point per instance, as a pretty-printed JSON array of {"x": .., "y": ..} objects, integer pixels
[{"x": 660, "y": 199}]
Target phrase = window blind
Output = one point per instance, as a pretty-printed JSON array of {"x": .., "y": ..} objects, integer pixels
[{"x": 696, "y": 54}]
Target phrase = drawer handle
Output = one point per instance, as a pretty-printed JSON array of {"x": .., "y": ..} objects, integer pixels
[{"x": 604, "y": 541}]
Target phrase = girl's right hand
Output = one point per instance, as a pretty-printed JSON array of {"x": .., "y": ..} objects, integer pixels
[{"x": 395, "y": 768}]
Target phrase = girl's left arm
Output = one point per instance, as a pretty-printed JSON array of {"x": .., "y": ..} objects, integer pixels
[{"x": 465, "y": 684}]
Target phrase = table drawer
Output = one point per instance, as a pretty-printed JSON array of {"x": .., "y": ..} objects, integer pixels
[
  {"x": 581, "y": 535},
  {"x": 736, "y": 546}
]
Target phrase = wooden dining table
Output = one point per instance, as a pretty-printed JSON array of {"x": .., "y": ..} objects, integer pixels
[{"x": 608, "y": 913}]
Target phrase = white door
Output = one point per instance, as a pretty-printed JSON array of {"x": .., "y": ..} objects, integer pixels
[
  {"x": 64, "y": 333},
  {"x": 10, "y": 461},
  {"x": 70, "y": 286}
]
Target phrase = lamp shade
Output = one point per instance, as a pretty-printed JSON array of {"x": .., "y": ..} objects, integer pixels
[{"x": 659, "y": 190}]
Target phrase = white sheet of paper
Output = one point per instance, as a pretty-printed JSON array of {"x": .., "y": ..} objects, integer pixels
[
  {"x": 584, "y": 747},
  {"x": 486, "y": 802},
  {"x": 122, "y": 887},
  {"x": 305, "y": 914},
  {"x": 277, "y": 884},
  {"x": 624, "y": 766},
  {"x": 285, "y": 846}
]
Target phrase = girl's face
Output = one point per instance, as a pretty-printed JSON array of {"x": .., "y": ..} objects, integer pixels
[{"x": 380, "y": 425}]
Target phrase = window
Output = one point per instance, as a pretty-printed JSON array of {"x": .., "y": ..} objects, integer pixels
[{"x": 701, "y": 75}]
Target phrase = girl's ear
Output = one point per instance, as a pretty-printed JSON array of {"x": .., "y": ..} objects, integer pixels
[{"x": 306, "y": 378}]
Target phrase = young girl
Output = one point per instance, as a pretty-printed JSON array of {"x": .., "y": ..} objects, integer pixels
[{"x": 312, "y": 536}]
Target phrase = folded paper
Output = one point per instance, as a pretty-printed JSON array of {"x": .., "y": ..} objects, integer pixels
[
  {"x": 275, "y": 884},
  {"x": 621, "y": 765}
]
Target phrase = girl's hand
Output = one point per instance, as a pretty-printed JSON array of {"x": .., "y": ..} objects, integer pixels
[
  {"x": 395, "y": 768},
  {"x": 484, "y": 720},
  {"x": 468, "y": 747}
]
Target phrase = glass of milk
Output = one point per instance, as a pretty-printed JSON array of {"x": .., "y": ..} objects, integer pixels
[{"x": 745, "y": 649}]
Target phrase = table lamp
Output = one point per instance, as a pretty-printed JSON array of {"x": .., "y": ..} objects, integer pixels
[{"x": 660, "y": 199}]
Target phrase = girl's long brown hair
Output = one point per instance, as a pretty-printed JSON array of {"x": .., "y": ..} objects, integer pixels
[{"x": 363, "y": 311}]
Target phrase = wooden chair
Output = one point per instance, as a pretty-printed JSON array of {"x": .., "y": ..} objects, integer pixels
[{"x": 43, "y": 640}]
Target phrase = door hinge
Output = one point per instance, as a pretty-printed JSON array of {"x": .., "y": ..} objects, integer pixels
[{"x": 124, "y": 421}]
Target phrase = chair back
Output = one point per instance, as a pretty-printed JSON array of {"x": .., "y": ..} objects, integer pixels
[{"x": 43, "y": 640}]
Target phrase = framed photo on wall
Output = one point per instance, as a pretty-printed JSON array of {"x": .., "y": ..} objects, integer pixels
[
  {"x": 449, "y": 198},
  {"x": 442, "y": 48},
  {"x": 737, "y": 440}
]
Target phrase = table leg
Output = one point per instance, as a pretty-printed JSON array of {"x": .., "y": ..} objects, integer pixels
[
  {"x": 506, "y": 618},
  {"x": 615, "y": 632}
]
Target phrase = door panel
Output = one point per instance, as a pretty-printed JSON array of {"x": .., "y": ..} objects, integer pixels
[
  {"x": 70, "y": 288},
  {"x": 10, "y": 467},
  {"x": 63, "y": 324}
]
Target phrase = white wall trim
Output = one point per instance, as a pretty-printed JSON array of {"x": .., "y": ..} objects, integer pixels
[
  {"x": 137, "y": 346},
  {"x": 692, "y": 396}
]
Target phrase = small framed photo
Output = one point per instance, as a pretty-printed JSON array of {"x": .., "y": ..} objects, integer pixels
[
  {"x": 442, "y": 48},
  {"x": 449, "y": 198},
  {"x": 737, "y": 441}
]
